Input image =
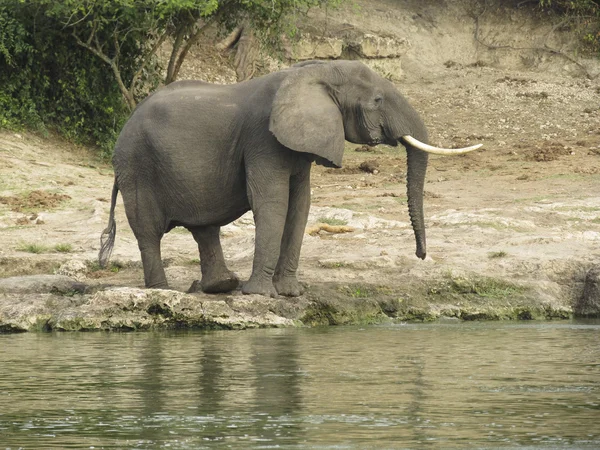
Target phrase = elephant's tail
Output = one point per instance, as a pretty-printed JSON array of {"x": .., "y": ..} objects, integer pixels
[{"x": 107, "y": 239}]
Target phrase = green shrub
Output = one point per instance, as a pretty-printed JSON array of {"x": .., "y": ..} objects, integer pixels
[
  {"x": 47, "y": 81},
  {"x": 81, "y": 67}
]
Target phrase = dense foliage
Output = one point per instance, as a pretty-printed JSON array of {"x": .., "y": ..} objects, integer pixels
[
  {"x": 585, "y": 14},
  {"x": 47, "y": 79},
  {"x": 80, "y": 66}
]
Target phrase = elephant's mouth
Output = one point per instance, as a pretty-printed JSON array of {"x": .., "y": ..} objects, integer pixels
[{"x": 382, "y": 138}]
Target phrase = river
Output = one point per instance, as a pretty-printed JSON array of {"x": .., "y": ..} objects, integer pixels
[{"x": 434, "y": 386}]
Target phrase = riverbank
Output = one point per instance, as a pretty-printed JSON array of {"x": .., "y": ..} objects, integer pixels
[
  {"x": 513, "y": 230},
  {"x": 509, "y": 238},
  {"x": 58, "y": 303}
]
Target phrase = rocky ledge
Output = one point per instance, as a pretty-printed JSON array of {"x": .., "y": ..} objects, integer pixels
[{"x": 61, "y": 303}]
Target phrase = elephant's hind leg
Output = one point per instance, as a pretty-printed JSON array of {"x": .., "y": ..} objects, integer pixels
[
  {"x": 216, "y": 277},
  {"x": 148, "y": 224},
  {"x": 154, "y": 272}
]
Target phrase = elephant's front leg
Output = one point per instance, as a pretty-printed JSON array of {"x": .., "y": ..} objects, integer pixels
[
  {"x": 285, "y": 278},
  {"x": 268, "y": 193}
]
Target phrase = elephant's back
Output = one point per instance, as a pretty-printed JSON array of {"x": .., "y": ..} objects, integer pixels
[
  {"x": 180, "y": 120},
  {"x": 179, "y": 145}
]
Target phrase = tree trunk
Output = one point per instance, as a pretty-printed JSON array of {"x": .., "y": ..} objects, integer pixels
[
  {"x": 246, "y": 55},
  {"x": 246, "y": 50}
]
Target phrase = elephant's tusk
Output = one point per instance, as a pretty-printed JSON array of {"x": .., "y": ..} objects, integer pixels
[{"x": 437, "y": 150}]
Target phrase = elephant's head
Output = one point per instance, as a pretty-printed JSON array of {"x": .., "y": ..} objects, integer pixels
[{"x": 319, "y": 105}]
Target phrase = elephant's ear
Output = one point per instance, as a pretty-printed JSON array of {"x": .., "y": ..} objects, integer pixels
[{"x": 304, "y": 118}]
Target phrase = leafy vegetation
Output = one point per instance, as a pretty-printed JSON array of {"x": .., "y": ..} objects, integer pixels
[
  {"x": 585, "y": 14},
  {"x": 48, "y": 80},
  {"x": 80, "y": 67}
]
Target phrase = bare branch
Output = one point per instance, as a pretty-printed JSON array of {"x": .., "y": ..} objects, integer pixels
[
  {"x": 98, "y": 46},
  {"x": 131, "y": 103},
  {"x": 545, "y": 48},
  {"x": 230, "y": 39},
  {"x": 96, "y": 52},
  {"x": 117, "y": 48},
  {"x": 146, "y": 60},
  {"x": 92, "y": 33},
  {"x": 113, "y": 65},
  {"x": 174, "y": 52},
  {"x": 68, "y": 22}
]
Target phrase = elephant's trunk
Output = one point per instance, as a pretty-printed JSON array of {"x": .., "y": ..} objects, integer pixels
[
  {"x": 417, "y": 168},
  {"x": 416, "y": 160}
]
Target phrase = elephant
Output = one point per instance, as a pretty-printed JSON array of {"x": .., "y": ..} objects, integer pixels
[{"x": 199, "y": 155}]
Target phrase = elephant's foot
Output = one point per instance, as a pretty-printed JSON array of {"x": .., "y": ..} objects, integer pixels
[
  {"x": 259, "y": 286},
  {"x": 288, "y": 286},
  {"x": 227, "y": 282}
]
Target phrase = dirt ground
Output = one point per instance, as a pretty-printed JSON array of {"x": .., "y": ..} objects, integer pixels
[{"x": 524, "y": 209}]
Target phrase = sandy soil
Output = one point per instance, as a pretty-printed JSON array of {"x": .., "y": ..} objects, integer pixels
[{"x": 525, "y": 209}]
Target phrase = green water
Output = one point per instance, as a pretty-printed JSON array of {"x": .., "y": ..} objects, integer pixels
[{"x": 438, "y": 386}]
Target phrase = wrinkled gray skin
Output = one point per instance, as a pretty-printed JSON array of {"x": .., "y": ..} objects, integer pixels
[{"x": 200, "y": 155}]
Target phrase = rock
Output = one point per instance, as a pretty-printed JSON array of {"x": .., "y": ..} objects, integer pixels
[
  {"x": 589, "y": 303},
  {"x": 370, "y": 166},
  {"x": 363, "y": 45},
  {"x": 140, "y": 309},
  {"x": 372, "y": 46},
  {"x": 40, "y": 284},
  {"x": 74, "y": 268},
  {"x": 312, "y": 47}
]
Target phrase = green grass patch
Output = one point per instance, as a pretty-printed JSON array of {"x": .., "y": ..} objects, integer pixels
[
  {"x": 63, "y": 248},
  {"x": 364, "y": 290},
  {"x": 499, "y": 254},
  {"x": 486, "y": 287},
  {"x": 41, "y": 248},
  {"x": 332, "y": 221},
  {"x": 32, "y": 248}
]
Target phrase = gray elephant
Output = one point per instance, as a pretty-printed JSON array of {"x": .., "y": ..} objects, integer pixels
[{"x": 200, "y": 155}]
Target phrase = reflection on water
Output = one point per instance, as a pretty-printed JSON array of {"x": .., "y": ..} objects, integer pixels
[{"x": 476, "y": 385}]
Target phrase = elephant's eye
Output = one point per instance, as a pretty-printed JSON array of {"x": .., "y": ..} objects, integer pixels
[{"x": 378, "y": 100}]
